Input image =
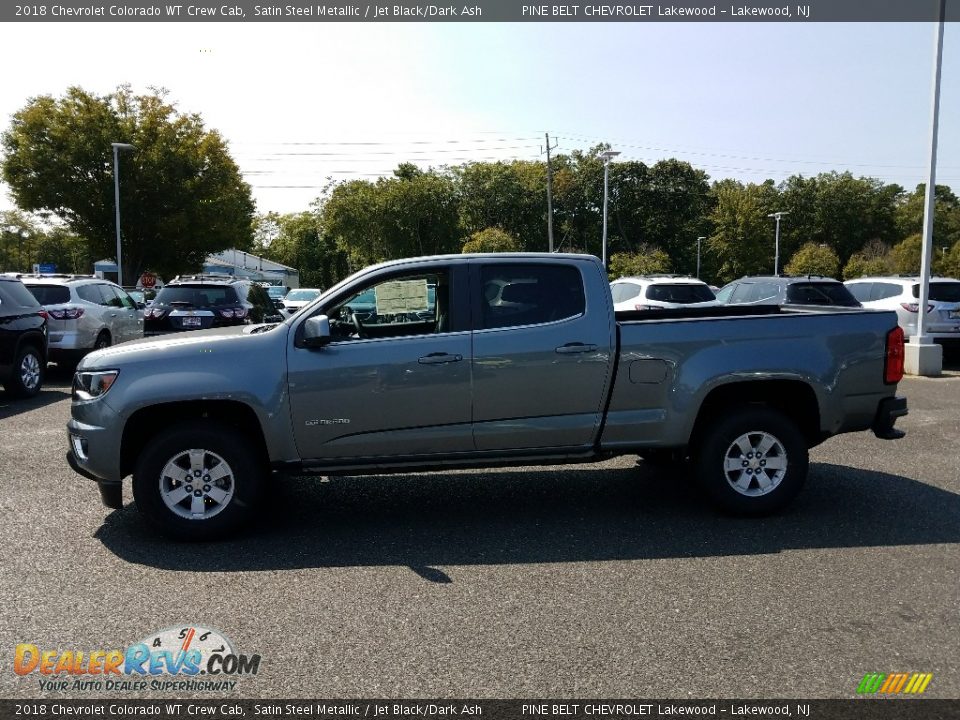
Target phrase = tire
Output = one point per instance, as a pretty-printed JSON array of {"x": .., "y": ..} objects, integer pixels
[
  {"x": 26, "y": 375},
  {"x": 737, "y": 477},
  {"x": 219, "y": 502}
]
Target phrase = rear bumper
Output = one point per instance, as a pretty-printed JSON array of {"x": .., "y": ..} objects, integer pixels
[{"x": 888, "y": 411}]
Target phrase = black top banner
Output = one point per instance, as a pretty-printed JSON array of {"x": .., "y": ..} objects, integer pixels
[{"x": 483, "y": 11}]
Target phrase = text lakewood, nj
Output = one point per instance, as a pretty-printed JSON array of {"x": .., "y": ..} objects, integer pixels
[{"x": 785, "y": 11}]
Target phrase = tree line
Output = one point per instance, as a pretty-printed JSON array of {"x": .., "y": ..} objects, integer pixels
[{"x": 182, "y": 197}]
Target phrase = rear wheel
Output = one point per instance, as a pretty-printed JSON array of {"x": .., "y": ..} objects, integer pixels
[
  {"x": 752, "y": 462},
  {"x": 26, "y": 376},
  {"x": 198, "y": 481}
]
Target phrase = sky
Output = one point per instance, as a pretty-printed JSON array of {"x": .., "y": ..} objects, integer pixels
[{"x": 303, "y": 103}]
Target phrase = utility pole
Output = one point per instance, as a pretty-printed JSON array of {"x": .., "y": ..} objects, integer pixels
[{"x": 549, "y": 195}]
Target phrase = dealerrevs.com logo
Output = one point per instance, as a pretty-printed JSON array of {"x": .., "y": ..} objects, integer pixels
[
  {"x": 894, "y": 683},
  {"x": 182, "y": 658}
]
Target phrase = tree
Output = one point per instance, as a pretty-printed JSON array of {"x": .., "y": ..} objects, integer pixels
[
  {"x": 181, "y": 194},
  {"x": 742, "y": 242},
  {"x": 873, "y": 259},
  {"x": 414, "y": 213},
  {"x": 946, "y": 215},
  {"x": 905, "y": 256},
  {"x": 814, "y": 259},
  {"x": 491, "y": 240},
  {"x": 511, "y": 196},
  {"x": 646, "y": 261},
  {"x": 299, "y": 241},
  {"x": 838, "y": 210}
]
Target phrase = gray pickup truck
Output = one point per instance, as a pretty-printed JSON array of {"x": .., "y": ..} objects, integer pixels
[{"x": 477, "y": 361}]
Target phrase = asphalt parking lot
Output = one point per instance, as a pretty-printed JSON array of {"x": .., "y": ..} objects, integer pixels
[{"x": 607, "y": 581}]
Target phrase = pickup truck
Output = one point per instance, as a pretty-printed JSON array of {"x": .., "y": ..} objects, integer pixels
[{"x": 477, "y": 361}]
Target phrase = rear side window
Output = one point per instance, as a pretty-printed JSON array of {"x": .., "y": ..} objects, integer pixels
[
  {"x": 625, "y": 291},
  {"x": 821, "y": 294},
  {"x": 861, "y": 291},
  {"x": 198, "y": 296},
  {"x": 751, "y": 292},
  {"x": 50, "y": 294},
  {"x": 529, "y": 294},
  {"x": 15, "y": 295},
  {"x": 680, "y": 293},
  {"x": 90, "y": 293}
]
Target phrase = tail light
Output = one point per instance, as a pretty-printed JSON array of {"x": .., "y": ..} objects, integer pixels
[
  {"x": 238, "y": 313},
  {"x": 914, "y": 307},
  {"x": 44, "y": 314},
  {"x": 153, "y": 313},
  {"x": 67, "y": 313},
  {"x": 893, "y": 363}
]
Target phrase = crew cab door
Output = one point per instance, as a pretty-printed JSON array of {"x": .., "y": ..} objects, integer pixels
[
  {"x": 542, "y": 353},
  {"x": 394, "y": 381}
]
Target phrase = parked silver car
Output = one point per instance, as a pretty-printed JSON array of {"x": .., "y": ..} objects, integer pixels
[
  {"x": 85, "y": 313},
  {"x": 903, "y": 295}
]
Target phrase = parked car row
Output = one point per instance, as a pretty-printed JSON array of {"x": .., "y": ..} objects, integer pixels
[
  {"x": 61, "y": 318},
  {"x": 901, "y": 294}
]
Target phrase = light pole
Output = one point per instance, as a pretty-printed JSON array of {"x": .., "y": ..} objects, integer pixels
[
  {"x": 776, "y": 250},
  {"x": 117, "y": 147},
  {"x": 702, "y": 237},
  {"x": 607, "y": 156}
]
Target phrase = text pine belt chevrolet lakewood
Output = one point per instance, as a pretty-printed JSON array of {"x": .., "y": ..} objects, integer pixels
[{"x": 473, "y": 361}]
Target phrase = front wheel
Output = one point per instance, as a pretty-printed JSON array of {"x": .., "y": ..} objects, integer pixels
[
  {"x": 198, "y": 481},
  {"x": 752, "y": 462}
]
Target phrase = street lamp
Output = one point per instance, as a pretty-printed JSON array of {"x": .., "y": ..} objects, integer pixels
[
  {"x": 607, "y": 156},
  {"x": 702, "y": 237},
  {"x": 776, "y": 255},
  {"x": 117, "y": 147}
]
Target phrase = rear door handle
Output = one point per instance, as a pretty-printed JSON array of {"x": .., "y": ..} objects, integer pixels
[
  {"x": 575, "y": 347},
  {"x": 438, "y": 358}
]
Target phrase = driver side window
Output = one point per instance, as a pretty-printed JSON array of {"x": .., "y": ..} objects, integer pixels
[{"x": 398, "y": 306}]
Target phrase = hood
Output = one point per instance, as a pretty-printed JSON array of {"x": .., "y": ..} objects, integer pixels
[{"x": 176, "y": 345}]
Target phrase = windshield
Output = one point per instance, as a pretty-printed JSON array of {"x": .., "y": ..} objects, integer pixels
[
  {"x": 302, "y": 295},
  {"x": 276, "y": 291},
  {"x": 835, "y": 293},
  {"x": 198, "y": 295},
  {"x": 680, "y": 293},
  {"x": 50, "y": 294}
]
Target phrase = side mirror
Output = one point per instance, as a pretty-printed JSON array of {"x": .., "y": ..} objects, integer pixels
[{"x": 316, "y": 331}]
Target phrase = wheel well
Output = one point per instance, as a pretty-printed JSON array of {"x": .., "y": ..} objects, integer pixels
[
  {"x": 145, "y": 423},
  {"x": 34, "y": 340},
  {"x": 793, "y": 398}
]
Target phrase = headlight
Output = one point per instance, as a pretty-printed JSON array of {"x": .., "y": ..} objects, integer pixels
[{"x": 92, "y": 385}]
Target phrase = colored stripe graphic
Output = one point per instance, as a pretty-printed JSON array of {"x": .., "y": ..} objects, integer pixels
[{"x": 894, "y": 683}]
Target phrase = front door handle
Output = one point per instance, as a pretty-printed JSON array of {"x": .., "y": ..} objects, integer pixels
[
  {"x": 438, "y": 358},
  {"x": 575, "y": 347}
]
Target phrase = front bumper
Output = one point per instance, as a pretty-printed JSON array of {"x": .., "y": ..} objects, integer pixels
[
  {"x": 111, "y": 493},
  {"x": 888, "y": 411}
]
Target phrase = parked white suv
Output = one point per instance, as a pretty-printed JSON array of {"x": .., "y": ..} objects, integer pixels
[
  {"x": 903, "y": 295},
  {"x": 85, "y": 313},
  {"x": 658, "y": 292}
]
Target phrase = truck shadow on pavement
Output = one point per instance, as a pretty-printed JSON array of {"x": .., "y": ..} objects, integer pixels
[{"x": 425, "y": 522}]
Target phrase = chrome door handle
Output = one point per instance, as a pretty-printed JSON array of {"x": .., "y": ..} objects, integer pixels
[
  {"x": 575, "y": 347},
  {"x": 438, "y": 358}
]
